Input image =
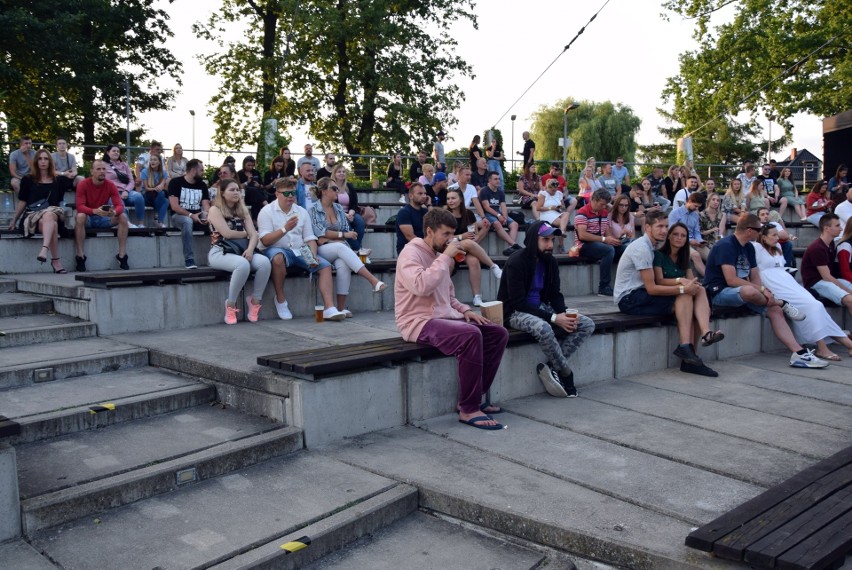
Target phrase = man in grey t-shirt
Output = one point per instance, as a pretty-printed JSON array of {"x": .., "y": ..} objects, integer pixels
[
  {"x": 438, "y": 153},
  {"x": 20, "y": 161},
  {"x": 65, "y": 163},
  {"x": 638, "y": 292}
]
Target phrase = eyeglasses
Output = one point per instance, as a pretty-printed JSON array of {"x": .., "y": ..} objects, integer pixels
[
  {"x": 334, "y": 188},
  {"x": 755, "y": 229},
  {"x": 287, "y": 193}
]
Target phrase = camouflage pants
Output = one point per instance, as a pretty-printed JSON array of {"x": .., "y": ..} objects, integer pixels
[{"x": 555, "y": 351}]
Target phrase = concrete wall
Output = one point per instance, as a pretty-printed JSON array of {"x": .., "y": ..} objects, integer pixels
[{"x": 10, "y": 506}]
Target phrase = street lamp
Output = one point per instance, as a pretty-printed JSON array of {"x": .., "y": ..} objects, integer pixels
[
  {"x": 127, "y": 118},
  {"x": 191, "y": 112},
  {"x": 570, "y": 107},
  {"x": 769, "y": 142},
  {"x": 513, "y": 142}
]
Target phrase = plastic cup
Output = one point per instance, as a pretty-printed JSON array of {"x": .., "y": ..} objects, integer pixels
[
  {"x": 471, "y": 228},
  {"x": 572, "y": 313},
  {"x": 318, "y": 313}
]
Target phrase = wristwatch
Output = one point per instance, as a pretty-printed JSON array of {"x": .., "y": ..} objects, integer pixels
[{"x": 603, "y": 238}]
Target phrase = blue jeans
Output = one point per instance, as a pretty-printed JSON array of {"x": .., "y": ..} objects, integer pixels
[
  {"x": 494, "y": 166},
  {"x": 605, "y": 254},
  {"x": 185, "y": 225},
  {"x": 730, "y": 297},
  {"x": 137, "y": 200},
  {"x": 663, "y": 202},
  {"x": 358, "y": 226},
  {"x": 787, "y": 250},
  {"x": 158, "y": 200}
]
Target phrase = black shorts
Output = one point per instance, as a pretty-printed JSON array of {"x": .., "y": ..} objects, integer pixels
[{"x": 639, "y": 302}]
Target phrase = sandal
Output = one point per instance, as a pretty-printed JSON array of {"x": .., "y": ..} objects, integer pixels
[
  {"x": 61, "y": 270},
  {"x": 40, "y": 257},
  {"x": 711, "y": 337},
  {"x": 831, "y": 356}
]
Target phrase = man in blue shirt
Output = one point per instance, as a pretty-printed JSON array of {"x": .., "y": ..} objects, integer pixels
[
  {"x": 409, "y": 219},
  {"x": 688, "y": 216},
  {"x": 621, "y": 175},
  {"x": 733, "y": 280}
]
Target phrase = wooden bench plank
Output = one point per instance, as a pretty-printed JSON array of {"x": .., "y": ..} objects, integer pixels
[
  {"x": 707, "y": 536},
  {"x": 765, "y": 551},
  {"x": 9, "y": 428},
  {"x": 824, "y": 549}
]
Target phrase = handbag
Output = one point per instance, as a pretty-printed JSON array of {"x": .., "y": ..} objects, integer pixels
[
  {"x": 234, "y": 246},
  {"x": 122, "y": 177},
  {"x": 38, "y": 206},
  {"x": 309, "y": 256}
]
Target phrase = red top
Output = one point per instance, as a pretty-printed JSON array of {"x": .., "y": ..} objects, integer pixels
[
  {"x": 816, "y": 203},
  {"x": 91, "y": 196}
]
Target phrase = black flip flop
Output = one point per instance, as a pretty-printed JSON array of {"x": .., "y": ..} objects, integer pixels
[{"x": 472, "y": 422}]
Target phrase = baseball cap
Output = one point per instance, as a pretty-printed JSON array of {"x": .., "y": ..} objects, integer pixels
[
  {"x": 442, "y": 134},
  {"x": 439, "y": 177},
  {"x": 546, "y": 230}
]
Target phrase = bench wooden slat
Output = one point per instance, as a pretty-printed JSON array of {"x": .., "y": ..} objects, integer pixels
[
  {"x": 332, "y": 365},
  {"x": 823, "y": 549},
  {"x": 799, "y": 529},
  {"x": 708, "y": 535},
  {"x": 9, "y": 428}
]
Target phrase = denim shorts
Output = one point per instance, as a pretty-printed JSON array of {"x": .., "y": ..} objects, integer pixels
[
  {"x": 99, "y": 222},
  {"x": 293, "y": 260},
  {"x": 639, "y": 302},
  {"x": 730, "y": 297}
]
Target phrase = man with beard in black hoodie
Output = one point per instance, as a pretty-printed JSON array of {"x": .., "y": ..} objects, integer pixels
[{"x": 533, "y": 302}]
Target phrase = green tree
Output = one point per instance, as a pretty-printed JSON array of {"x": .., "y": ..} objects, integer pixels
[
  {"x": 65, "y": 64},
  {"x": 362, "y": 75},
  {"x": 765, "y": 38},
  {"x": 604, "y": 130}
]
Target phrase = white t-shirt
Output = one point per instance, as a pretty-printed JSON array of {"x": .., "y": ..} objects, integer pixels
[
  {"x": 844, "y": 212},
  {"x": 681, "y": 197}
]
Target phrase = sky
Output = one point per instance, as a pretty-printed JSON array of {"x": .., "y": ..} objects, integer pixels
[{"x": 625, "y": 56}]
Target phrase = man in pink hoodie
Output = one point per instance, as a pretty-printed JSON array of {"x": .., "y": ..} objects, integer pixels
[{"x": 427, "y": 311}]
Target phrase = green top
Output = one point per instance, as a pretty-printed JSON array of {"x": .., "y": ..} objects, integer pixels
[{"x": 670, "y": 270}]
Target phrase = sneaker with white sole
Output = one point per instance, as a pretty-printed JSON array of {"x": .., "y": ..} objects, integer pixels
[
  {"x": 190, "y": 264},
  {"x": 496, "y": 272},
  {"x": 332, "y": 314},
  {"x": 403, "y": 200},
  {"x": 807, "y": 360},
  {"x": 550, "y": 379},
  {"x": 477, "y": 300},
  {"x": 283, "y": 310},
  {"x": 792, "y": 312}
]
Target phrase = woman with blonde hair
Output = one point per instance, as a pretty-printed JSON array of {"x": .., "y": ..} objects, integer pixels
[
  {"x": 176, "y": 163},
  {"x": 347, "y": 197},
  {"x": 233, "y": 242},
  {"x": 733, "y": 201},
  {"x": 155, "y": 179},
  {"x": 332, "y": 230},
  {"x": 757, "y": 197}
]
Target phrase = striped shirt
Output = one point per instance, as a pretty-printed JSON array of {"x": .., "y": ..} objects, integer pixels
[{"x": 595, "y": 223}]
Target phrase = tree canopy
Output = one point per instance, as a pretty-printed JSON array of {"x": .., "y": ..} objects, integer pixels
[
  {"x": 365, "y": 76},
  {"x": 604, "y": 130},
  {"x": 65, "y": 63},
  {"x": 731, "y": 70}
]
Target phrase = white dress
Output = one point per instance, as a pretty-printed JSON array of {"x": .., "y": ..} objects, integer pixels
[
  {"x": 818, "y": 325},
  {"x": 551, "y": 201}
]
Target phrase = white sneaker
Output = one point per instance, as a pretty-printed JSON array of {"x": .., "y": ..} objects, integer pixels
[
  {"x": 283, "y": 310},
  {"x": 332, "y": 314},
  {"x": 403, "y": 200},
  {"x": 792, "y": 312},
  {"x": 496, "y": 271},
  {"x": 477, "y": 300},
  {"x": 807, "y": 360}
]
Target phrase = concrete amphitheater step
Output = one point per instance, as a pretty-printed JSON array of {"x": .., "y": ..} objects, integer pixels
[
  {"x": 20, "y": 304},
  {"x": 232, "y": 517},
  {"x": 87, "y": 472},
  {"x": 42, "y": 329},
  {"x": 75, "y": 404}
]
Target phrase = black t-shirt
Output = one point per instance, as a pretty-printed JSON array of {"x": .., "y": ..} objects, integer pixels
[
  {"x": 528, "y": 148},
  {"x": 252, "y": 179},
  {"x": 409, "y": 216},
  {"x": 768, "y": 184},
  {"x": 189, "y": 195},
  {"x": 415, "y": 172},
  {"x": 479, "y": 180},
  {"x": 472, "y": 157},
  {"x": 323, "y": 173},
  {"x": 437, "y": 198},
  {"x": 32, "y": 191},
  {"x": 463, "y": 222}
]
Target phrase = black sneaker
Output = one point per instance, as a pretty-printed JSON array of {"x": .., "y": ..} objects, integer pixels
[
  {"x": 81, "y": 263},
  {"x": 567, "y": 382},
  {"x": 190, "y": 264},
  {"x": 550, "y": 379},
  {"x": 605, "y": 292},
  {"x": 122, "y": 262},
  {"x": 517, "y": 246},
  {"x": 508, "y": 251},
  {"x": 700, "y": 370},
  {"x": 687, "y": 354}
]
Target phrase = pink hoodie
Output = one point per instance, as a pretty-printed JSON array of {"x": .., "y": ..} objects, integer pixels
[{"x": 423, "y": 289}]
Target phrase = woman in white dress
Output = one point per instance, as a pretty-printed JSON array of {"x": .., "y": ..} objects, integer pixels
[
  {"x": 551, "y": 208},
  {"x": 818, "y": 326}
]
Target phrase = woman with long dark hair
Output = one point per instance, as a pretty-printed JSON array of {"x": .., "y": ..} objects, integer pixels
[
  {"x": 469, "y": 236},
  {"x": 119, "y": 173},
  {"x": 529, "y": 185},
  {"x": 474, "y": 153},
  {"x": 289, "y": 163},
  {"x": 818, "y": 202},
  {"x": 838, "y": 185},
  {"x": 671, "y": 266},
  {"x": 38, "y": 207},
  {"x": 276, "y": 171}
]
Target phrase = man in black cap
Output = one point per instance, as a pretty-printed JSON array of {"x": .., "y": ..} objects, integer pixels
[{"x": 533, "y": 302}]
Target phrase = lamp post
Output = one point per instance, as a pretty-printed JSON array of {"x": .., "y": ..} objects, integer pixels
[
  {"x": 513, "y": 142},
  {"x": 570, "y": 107},
  {"x": 769, "y": 142},
  {"x": 127, "y": 119},
  {"x": 191, "y": 112}
]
